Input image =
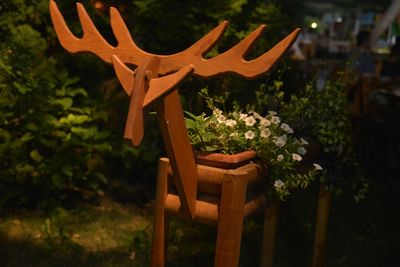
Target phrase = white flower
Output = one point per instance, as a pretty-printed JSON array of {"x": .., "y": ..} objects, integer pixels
[
  {"x": 286, "y": 128},
  {"x": 301, "y": 150},
  {"x": 296, "y": 157},
  {"x": 250, "y": 121},
  {"x": 230, "y": 123},
  {"x": 217, "y": 112},
  {"x": 280, "y": 141},
  {"x": 265, "y": 133},
  {"x": 221, "y": 119},
  {"x": 233, "y": 135},
  {"x": 272, "y": 113},
  {"x": 264, "y": 122},
  {"x": 249, "y": 135},
  {"x": 275, "y": 120},
  {"x": 243, "y": 116},
  {"x": 317, "y": 167},
  {"x": 257, "y": 116},
  {"x": 279, "y": 184},
  {"x": 303, "y": 141},
  {"x": 279, "y": 158}
]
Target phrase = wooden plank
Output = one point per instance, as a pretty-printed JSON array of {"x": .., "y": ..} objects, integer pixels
[
  {"x": 179, "y": 150},
  {"x": 268, "y": 240},
  {"x": 160, "y": 225},
  {"x": 134, "y": 127},
  {"x": 230, "y": 225},
  {"x": 324, "y": 202},
  {"x": 207, "y": 210}
]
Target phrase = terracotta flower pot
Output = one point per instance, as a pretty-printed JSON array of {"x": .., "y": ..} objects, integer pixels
[{"x": 224, "y": 161}]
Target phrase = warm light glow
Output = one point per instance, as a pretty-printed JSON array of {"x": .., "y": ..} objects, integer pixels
[
  {"x": 339, "y": 20},
  {"x": 98, "y": 5},
  {"x": 314, "y": 25}
]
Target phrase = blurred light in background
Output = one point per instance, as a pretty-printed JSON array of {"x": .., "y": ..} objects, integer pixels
[{"x": 314, "y": 25}]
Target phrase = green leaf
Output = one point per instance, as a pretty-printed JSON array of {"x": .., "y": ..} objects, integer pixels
[
  {"x": 66, "y": 103},
  {"x": 105, "y": 147},
  {"x": 75, "y": 92},
  {"x": 56, "y": 180},
  {"x": 22, "y": 88},
  {"x": 74, "y": 119},
  {"x": 26, "y": 137},
  {"x": 67, "y": 170},
  {"x": 35, "y": 155}
]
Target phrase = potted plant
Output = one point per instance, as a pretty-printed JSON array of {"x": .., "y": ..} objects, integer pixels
[{"x": 236, "y": 136}]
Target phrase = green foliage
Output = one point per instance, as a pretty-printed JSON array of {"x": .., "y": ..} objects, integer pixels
[
  {"x": 50, "y": 128},
  {"x": 272, "y": 139},
  {"x": 322, "y": 114}
]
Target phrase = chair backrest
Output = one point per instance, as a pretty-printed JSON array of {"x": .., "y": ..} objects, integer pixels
[{"x": 145, "y": 86}]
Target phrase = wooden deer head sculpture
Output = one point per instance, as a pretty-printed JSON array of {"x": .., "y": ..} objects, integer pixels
[{"x": 156, "y": 76}]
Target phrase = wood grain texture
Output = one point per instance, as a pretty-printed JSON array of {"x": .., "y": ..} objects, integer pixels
[
  {"x": 268, "y": 240},
  {"x": 134, "y": 127},
  {"x": 179, "y": 150},
  {"x": 324, "y": 201},
  {"x": 125, "y": 75},
  {"x": 230, "y": 221},
  {"x": 160, "y": 224},
  {"x": 229, "y": 61},
  {"x": 163, "y": 86},
  {"x": 222, "y": 160}
]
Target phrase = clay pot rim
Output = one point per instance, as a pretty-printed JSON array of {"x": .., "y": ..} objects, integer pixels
[{"x": 224, "y": 161}]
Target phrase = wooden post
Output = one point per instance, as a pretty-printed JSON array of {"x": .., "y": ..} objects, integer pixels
[
  {"x": 268, "y": 239},
  {"x": 230, "y": 223},
  {"x": 324, "y": 202},
  {"x": 160, "y": 225}
]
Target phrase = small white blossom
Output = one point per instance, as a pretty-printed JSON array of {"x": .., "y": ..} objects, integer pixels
[
  {"x": 317, "y": 167},
  {"x": 243, "y": 116},
  {"x": 296, "y": 157},
  {"x": 286, "y": 128},
  {"x": 301, "y": 150},
  {"x": 249, "y": 135},
  {"x": 279, "y": 158},
  {"x": 280, "y": 141},
  {"x": 250, "y": 121},
  {"x": 230, "y": 123},
  {"x": 279, "y": 184},
  {"x": 303, "y": 141},
  {"x": 265, "y": 133},
  {"x": 275, "y": 120},
  {"x": 221, "y": 119},
  {"x": 257, "y": 116},
  {"x": 272, "y": 113},
  {"x": 233, "y": 135},
  {"x": 265, "y": 122},
  {"x": 217, "y": 112}
]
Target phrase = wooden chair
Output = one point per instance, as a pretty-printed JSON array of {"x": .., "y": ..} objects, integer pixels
[{"x": 198, "y": 193}]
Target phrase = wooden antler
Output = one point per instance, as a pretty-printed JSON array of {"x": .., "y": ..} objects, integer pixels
[{"x": 128, "y": 52}]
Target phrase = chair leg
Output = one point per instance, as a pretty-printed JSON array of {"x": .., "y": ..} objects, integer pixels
[
  {"x": 160, "y": 225},
  {"x": 268, "y": 240},
  {"x": 230, "y": 223},
  {"x": 324, "y": 201}
]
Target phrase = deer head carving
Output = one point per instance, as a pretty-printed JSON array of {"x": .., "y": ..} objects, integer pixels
[{"x": 156, "y": 77}]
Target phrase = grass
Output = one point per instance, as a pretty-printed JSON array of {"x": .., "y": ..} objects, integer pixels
[
  {"x": 359, "y": 234},
  {"x": 84, "y": 236}
]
